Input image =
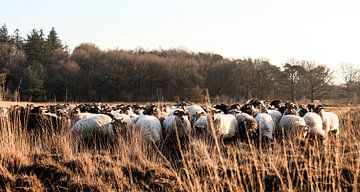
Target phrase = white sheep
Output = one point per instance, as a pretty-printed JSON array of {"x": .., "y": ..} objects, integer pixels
[
  {"x": 225, "y": 125},
  {"x": 126, "y": 111},
  {"x": 265, "y": 125},
  {"x": 193, "y": 110},
  {"x": 150, "y": 127},
  {"x": 99, "y": 128},
  {"x": 200, "y": 125},
  {"x": 276, "y": 115},
  {"x": 330, "y": 120},
  {"x": 315, "y": 123},
  {"x": 80, "y": 116},
  {"x": 293, "y": 126},
  {"x": 177, "y": 123}
]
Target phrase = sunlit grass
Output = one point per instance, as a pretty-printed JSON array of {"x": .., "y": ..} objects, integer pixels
[{"x": 50, "y": 163}]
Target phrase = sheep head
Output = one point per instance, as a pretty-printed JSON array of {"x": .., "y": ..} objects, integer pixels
[
  {"x": 302, "y": 110},
  {"x": 216, "y": 115},
  {"x": 151, "y": 109},
  {"x": 276, "y": 104},
  {"x": 198, "y": 115},
  {"x": 180, "y": 113},
  {"x": 311, "y": 107},
  {"x": 290, "y": 108},
  {"x": 248, "y": 108}
]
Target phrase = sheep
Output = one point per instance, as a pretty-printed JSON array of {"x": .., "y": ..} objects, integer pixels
[
  {"x": 177, "y": 124},
  {"x": 315, "y": 123},
  {"x": 192, "y": 111},
  {"x": 265, "y": 125},
  {"x": 259, "y": 106},
  {"x": 247, "y": 126},
  {"x": 176, "y": 132},
  {"x": 126, "y": 121},
  {"x": 126, "y": 110},
  {"x": 200, "y": 125},
  {"x": 78, "y": 115},
  {"x": 330, "y": 120},
  {"x": 302, "y": 110},
  {"x": 150, "y": 127},
  {"x": 290, "y": 109},
  {"x": 223, "y": 107},
  {"x": 234, "y": 112},
  {"x": 40, "y": 121},
  {"x": 225, "y": 125},
  {"x": 276, "y": 115},
  {"x": 292, "y": 126},
  {"x": 248, "y": 108},
  {"x": 275, "y": 104},
  {"x": 98, "y": 131},
  {"x": 152, "y": 109},
  {"x": 235, "y": 106}
]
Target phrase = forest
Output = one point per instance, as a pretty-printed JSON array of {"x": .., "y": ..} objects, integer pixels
[{"x": 39, "y": 67}]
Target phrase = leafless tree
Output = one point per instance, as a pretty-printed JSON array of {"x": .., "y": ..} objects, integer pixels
[
  {"x": 350, "y": 75},
  {"x": 317, "y": 79}
]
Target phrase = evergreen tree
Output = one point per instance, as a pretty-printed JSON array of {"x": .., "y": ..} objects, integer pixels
[
  {"x": 17, "y": 39},
  {"x": 53, "y": 41},
  {"x": 32, "y": 87},
  {"x": 35, "y": 47},
  {"x": 4, "y": 35}
]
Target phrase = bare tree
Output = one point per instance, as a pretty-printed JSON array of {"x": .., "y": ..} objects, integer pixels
[
  {"x": 317, "y": 79},
  {"x": 350, "y": 75},
  {"x": 293, "y": 72}
]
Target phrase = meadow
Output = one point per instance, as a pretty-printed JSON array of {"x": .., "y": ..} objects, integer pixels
[{"x": 49, "y": 163}]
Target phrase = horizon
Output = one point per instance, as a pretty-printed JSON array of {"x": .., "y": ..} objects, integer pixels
[{"x": 278, "y": 30}]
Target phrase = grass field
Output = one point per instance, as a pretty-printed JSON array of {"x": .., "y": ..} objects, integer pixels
[{"x": 49, "y": 164}]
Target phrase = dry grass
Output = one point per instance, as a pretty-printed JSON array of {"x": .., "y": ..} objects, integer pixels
[{"x": 39, "y": 164}]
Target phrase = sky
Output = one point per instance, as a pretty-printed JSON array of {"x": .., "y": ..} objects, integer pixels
[{"x": 324, "y": 31}]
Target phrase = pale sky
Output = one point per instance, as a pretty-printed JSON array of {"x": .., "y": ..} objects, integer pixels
[{"x": 325, "y": 31}]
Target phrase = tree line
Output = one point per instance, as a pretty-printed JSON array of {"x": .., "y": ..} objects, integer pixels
[{"x": 39, "y": 67}]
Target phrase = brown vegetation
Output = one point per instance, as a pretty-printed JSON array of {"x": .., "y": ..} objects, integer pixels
[{"x": 51, "y": 164}]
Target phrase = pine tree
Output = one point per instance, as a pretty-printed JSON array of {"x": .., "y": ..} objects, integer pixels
[
  {"x": 35, "y": 47},
  {"x": 53, "y": 41},
  {"x": 17, "y": 39},
  {"x": 4, "y": 35}
]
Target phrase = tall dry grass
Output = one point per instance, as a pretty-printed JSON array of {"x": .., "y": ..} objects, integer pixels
[{"x": 49, "y": 163}]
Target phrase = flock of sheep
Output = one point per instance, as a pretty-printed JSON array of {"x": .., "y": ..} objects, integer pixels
[{"x": 255, "y": 120}]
